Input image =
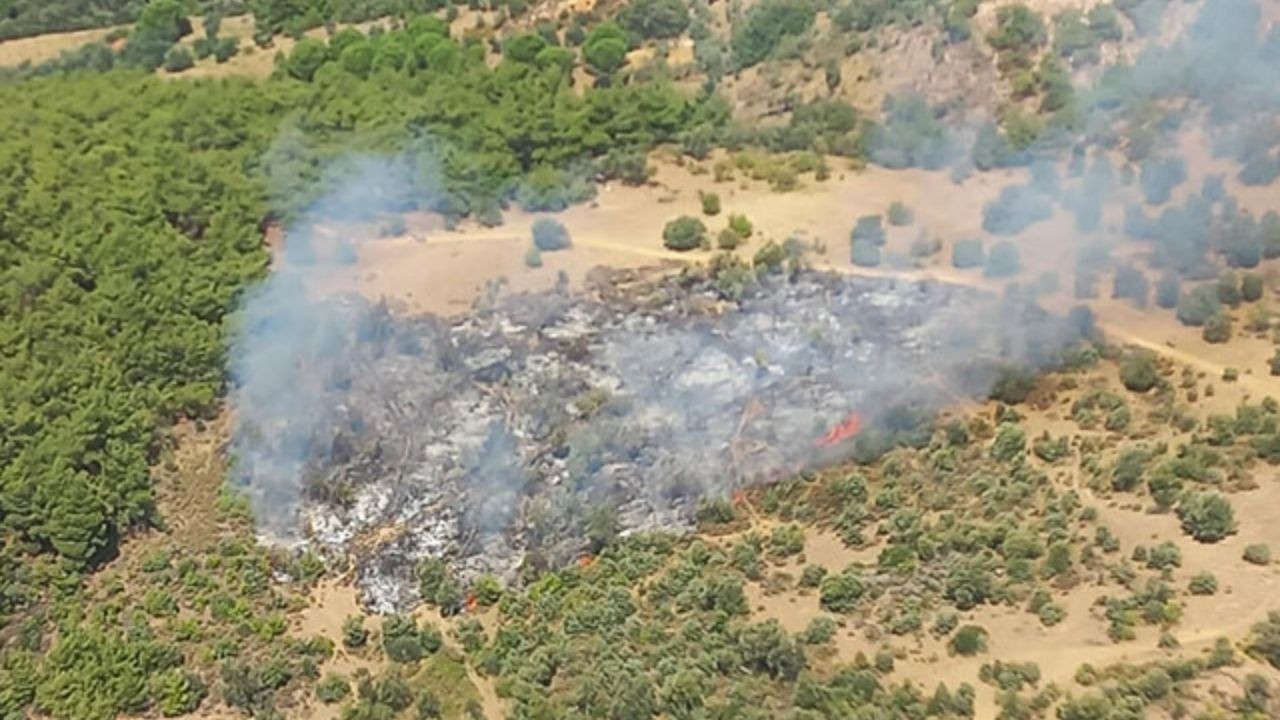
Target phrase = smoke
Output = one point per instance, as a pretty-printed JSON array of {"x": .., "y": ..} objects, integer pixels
[
  {"x": 503, "y": 432},
  {"x": 280, "y": 393},
  {"x": 487, "y": 437},
  {"x": 1152, "y": 151}
]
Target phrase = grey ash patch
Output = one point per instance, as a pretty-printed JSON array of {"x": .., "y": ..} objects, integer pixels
[{"x": 489, "y": 439}]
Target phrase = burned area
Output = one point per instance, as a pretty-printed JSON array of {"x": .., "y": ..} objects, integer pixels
[{"x": 522, "y": 433}]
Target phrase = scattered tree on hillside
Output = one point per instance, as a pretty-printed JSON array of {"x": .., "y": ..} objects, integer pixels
[
  {"x": 760, "y": 29},
  {"x": 1217, "y": 329},
  {"x": 550, "y": 235},
  {"x": 1207, "y": 517},
  {"x": 605, "y": 49},
  {"x": 967, "y": 253},
  {"x": 1198, "y": 305},
  {"x": 1138, "y": 371},
  {"x": 869, "y": 228},
  {"x": 864, "y": 253},
  {"x": 684, "y": 233},
  {"x": 1003, "y": 260},
  {"x": 655, "y": 18}
]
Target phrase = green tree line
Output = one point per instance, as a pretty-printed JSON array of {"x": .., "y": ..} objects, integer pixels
[{"x": 130, "y": 220}]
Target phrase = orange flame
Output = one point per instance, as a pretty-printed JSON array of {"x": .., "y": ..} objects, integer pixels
[{"x": 846, "y": 429}]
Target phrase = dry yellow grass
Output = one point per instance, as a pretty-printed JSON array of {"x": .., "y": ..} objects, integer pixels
[{"x": 43, "y": 48}]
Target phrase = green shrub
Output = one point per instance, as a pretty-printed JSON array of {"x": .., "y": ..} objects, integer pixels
[
  {"x": 1012, "y": 385},
  {"x": 1049, "y": 449},
  {"x": 740, "y": 225},
  {"x": 1130, "y": 466},
  {"x": 812, "y": 575},
  {"x": 533, "y": 257},
  {"x": 177, "y": 59},
  {"x": 1217, "y": 329},
  {"x": 1198, "y": 305},
  {"x": 968, "y": 253},
  {"x": 759, "y": 31},
  {"x": 820, "y": 630},
  {"x": 550, "y": 235},
  {"x": 1228, "y": 289},
  {"x": 1251, "y": 287},
  {"x": 1258, "y": 554},
  {"x": 1117, "y": 419},
  {"x": 605, "y": 48},
  {"x": 1009, "y": 444},
  {"x": 1207, "y": 517},
  {"x": 869, "y": 228},
  {"x": 403, "y": 641},
  {"x": 969, "y": 583},
  {"x": 906, "y": 622},
  {"x": 354, "y": 633},
  {"x": 710, "y": 203},
  {"x": 486, "y": 590},
  {"x": 900, "y": 215},
  {"x": 1019, "y": 29},
  {"x": 727, "y": 239},
  {"x": 865, "y": 253},
  {"x": 786, "y": 541},
  {"x": 1051, "y": 614},
  {"x": 944, "y": 622},
  {"x": 651, "y": 19},
  {"x": 1203, "y": 583},
  {"x": 1003, "y": 260},
  {"x": 177, "y": 692},
  {"x": 159, "y": 603},
  {"x": 969, "y": 640},
  {"x": 925, "y": 245},
  {"x": 1167, "y": 291},
  {"x": 841, "y": 592},
  {"x": 333, "y": 688},
  {"x": 684, "y": 233},
  {"x": 225, "y": 49},
  {"x": 1264, "y": 641},
  {"x": 714, "y": 510},
  {"x": 771, "y": 257},
  {"x": 1164, "y": 556}
]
